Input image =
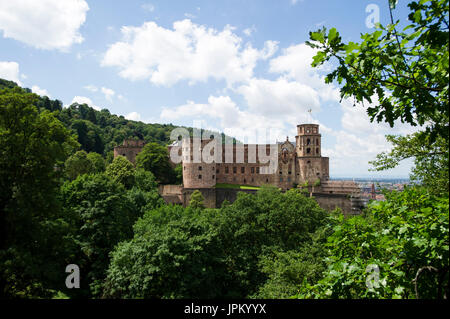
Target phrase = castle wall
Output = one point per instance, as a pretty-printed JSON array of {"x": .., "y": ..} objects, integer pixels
[
  {"x": 129, "y": 149},
  {"x": 209, "y": 194},
  {"x": 129, "y": 152},
  {"x": 330, "y": 202},
  {"x": 312, "y": 168}
]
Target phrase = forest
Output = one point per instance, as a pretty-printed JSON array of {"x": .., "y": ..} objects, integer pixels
[{"x": 65, "y": 200}]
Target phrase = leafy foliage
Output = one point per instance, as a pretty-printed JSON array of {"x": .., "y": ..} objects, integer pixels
[
  {"x": 155, "y": 158},
  {"x": 201, "y": 253},
  {"x": 122, "y": 171},
  {"x": 197, "y": 200},
  {"x": 407, "y": 71},
  {"x": 404, "y": 237},
  {"x": 33, "y": 145}
]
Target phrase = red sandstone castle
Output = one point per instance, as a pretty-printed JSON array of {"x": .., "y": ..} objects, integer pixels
[
  {"x": 295, "y": 163},
  {"x": 299, "y": 164}
]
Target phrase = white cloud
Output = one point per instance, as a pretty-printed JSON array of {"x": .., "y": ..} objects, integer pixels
[
  {"x": 42, "y": 92},
  {"x": 248, "y": 31},
  {"x": 231, "y": 119},
  {"x": 188, "y": 52},
  {"x": 190, "y": 16},
  {"x": 280, "y": 97},
  {"x": 133, "y": 116},
  {"x": 91, "y": 88},
  {"x": 109, "y": 93},
  {"x": 43, "y": 24},
  {"x": 10, "y": 71},
  {"x": 85, "y": 100},
  {"x": 148, "y": 7}
]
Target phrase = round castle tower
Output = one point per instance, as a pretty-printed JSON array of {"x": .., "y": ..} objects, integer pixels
[{"x": 196, "y": 172}]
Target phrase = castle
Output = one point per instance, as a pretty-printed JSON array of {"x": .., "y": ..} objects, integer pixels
[
  {"x": 296, "y": 164},
  {"x": 300, "y": 164}
]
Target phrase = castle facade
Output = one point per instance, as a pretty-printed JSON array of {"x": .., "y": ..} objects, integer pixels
[{"x": 296, "y": 163}]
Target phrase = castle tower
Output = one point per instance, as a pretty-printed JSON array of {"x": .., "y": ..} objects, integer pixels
[
  {"x": 308, "y": 140},
  {"x": 129, "y": 149},
  {"x": 312, "y": 167},
  {"x": 197, "y": 173}
]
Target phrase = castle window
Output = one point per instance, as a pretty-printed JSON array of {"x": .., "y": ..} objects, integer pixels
[
  {"x": 253, "y": 179},
  {"x": 199, "y": 168},
  {"x": 289, "y": 179},
  {"x": 242, "y": 170},
  {"x": 317, "y": 141},
  {"x": 281, "y": 172},
  {"x": 308, "y": 150},
  {"x": 245, "y": 181},
  {"x": 308, "y": 141},
  {"x": 267, "y": 180},
  {"x": 257, "y": 170},
  {"x": 253, "y": 170},
  {"x": 234, "y": 169},
  {"x": 226, "y": 169},
  {"x": 289, "y": 173},
  {"x": 217, "y": 171},
  {"x": 199, "y": 176},
  {"x": 308, "y": 162},
  {"x": 281, "y": 179},
  {"x": 318, "y": 174},
  {"x": 184, "y": 167},
  {"x": 213, "y": 176},
  {"x": 317, "y": 151}
]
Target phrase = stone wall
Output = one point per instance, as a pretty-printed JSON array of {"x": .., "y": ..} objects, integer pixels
[{"x": 214, "y": 197}]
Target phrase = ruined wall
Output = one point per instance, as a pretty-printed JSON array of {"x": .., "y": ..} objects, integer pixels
[
  {"x": 209, "y": 195},
  {"x": 230, "y": 194},
  {"x": 312, "y": 168},
  {"x": 330, "y": 202},
  {"x": 129, "y": 149}
]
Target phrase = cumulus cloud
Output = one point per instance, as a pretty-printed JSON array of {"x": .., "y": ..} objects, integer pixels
[
  {"x": 10, "y": 71},
  {"x": 133, "y": 116},
  {"x": 42, "y": 92},
  {"x": 91, "y": 88},
  {"x": 44, "y": 24},
  {"x": 189, "y": 52},
  {"x": 248, "y": 31},
  {"x": 109, "y": 93},
  {"x": 234, "y": 121},
  {"x": 148, "y": 7},
  {"x": 281, "y": 96},
  {"x": 295, "y": 64},
  {"x": 85, "y": 100}
]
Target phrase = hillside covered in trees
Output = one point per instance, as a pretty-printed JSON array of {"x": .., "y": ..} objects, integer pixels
[{"x": 99, "y": 131}]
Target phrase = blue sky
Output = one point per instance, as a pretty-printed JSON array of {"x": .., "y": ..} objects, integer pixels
[{"x": 238, "y": 66}]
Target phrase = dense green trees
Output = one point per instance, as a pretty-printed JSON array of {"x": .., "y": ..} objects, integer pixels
[
  {"x": 202, "y": 253},
  {"x": 155, "y": 158},
  {"x": 33, "y": 147},
  {"x": 122, "y": 171},
  {"x": 405, "y": 74},
  {"x": 197, "y": 200},
  {"x": 398, "y": 250}
]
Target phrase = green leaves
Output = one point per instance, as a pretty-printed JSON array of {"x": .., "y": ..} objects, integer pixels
[
  {"x": 399, "y": 236},
  {"x": 405, "y": 73}
]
